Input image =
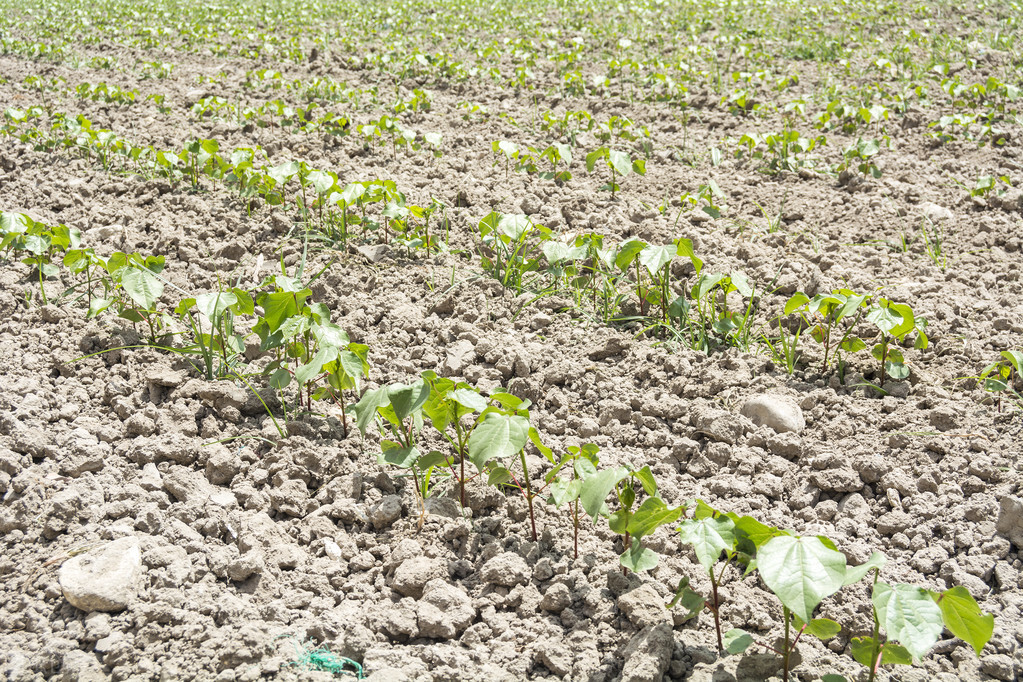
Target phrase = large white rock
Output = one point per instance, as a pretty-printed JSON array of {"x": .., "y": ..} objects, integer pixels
[
  {"x": 103, "y": 579},
  {"x": 776, "y": 411}
]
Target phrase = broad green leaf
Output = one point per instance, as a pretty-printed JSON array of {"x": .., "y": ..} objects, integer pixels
[
  {"x": 736, "y": 641},
  {"x": 909, "y": 616},
  {"x": 709, "y": 536},
  {"x": 964, "y": 619},
  {"x": 638, "y": 558},
  {"x": 396, "y": 455},
  {"x": 432, "y": 459},
  {"x": 646, "y": 478},
  {"x": 822, "y": 628},
  {"x": 142, "y": 286},
  {"x": 651, "y": 515},
  {"x": 628, "y": 251},
  {"x": 886, "y": 318},
  {"x": 797, "y": 301},
  {"x": 653, "y": 258},
  {"x": 597, "y": 487},
  {"x": 407, "y": 399},
  {"x": 1015, "y": 358},
  {"x": 307, "y": 372},
  {"x": 366, "y": 408},
  {"x": 469, "y": 398},
  {"x": 691, "y": 601},
  {"x": 499, "y": 436},
  {"x": 620, "y": 161},
  {"x": 853, "y": 574},
  {"x": 801, "y": 571},
  {"x": 280, "y": 379},
  {"x": 499, "y": 476}
]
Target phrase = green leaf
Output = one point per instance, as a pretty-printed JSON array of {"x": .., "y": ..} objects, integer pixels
[
  {"x": 620, "y": 161},
  {"x": 797, "y": 301},
  {"x": 653, "y": 258},
  {"x": 737, "y": 641},
  {"x": 1015, "y": 358},
  {"x": 709, "y": 536},
  {"x": 801, "y": 571},
  {"x": 908, "y": 615},
  {"x": 499, "y": 436},
  {"x": 651, "y": 515},
  {"x": 396, "y": 455},
  {"x": 691, "y": 601},
  {"x": 597, "y": 487},
  {"x": 142, "y": 286},
  {"x": 964, "y": 619},
  {"x": 638, "y": 558},
  {"x": 469, "y": 398},
  {"x": 407, "y": 399},
  {"x": 366, "y": 408},
  {"x": 280, "y": 378},
  {"x": 853, "y": 574},
  {"x": 886, "y": 318},
  {"x": 823, "y": 628}
]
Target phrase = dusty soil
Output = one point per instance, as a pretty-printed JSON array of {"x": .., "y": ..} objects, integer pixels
[{"x": 255, "y": 548}]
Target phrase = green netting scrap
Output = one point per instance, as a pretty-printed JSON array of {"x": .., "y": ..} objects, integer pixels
[{"x": 326, "y": 660}]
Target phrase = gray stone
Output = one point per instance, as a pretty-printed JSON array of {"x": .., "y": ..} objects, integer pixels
[
  {"x": 999, "y": 666},
  {"x": 374, "y": 253},
  {"x": 841, "y": 480},
  {"x": 507, "y": 569},
  {"x": 776, "y": 411},
  {"x": 643, "y": 606},
  {"x": 246, "y": 566},
  {"x": 934, "y": 212},
  {"x": 1010, "y": 519},
  {"x": 385, "y": 512},
  {"x": 150, "y": 479},
  {"x": 648, "y": 654},
  {"x": 103, "y": 579},
  {"x": 556, "y": 599},
  {"x": 445, "y": 611},
  {"x": 460, "y": 355},
  {"x": 556, "y": 656},
  {"x": 411, "y": 577}
]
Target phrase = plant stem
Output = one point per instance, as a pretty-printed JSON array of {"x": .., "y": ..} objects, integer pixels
[
  {"x": 715, "y": 608},
  {"x": 529, "y": 493},
  {"x": 787, "y": 650}
]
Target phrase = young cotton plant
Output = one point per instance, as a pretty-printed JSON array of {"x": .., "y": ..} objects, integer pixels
[
  {"x": 397, "y": 410},
  {"x": 999, "y": 378},
  {"x": 894, "y": 321},
  {"x": 631, "y": 522},
  {"x": 619, "y": 163},
  {"x": 804, "y": 571}
]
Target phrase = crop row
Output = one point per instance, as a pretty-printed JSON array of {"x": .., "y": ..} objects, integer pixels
[
  {"x": 630, "y": 283},
  {"x": 490, "y": 432}
]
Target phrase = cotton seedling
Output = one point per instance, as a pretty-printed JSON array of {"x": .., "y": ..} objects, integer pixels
[
  {"x": 1000, "y": 377},
  {"x": 510, "y": 247},
  {"x": 894, "y": 321},
  {"x": 454, "y": 410},
  {"x": 508, "y": 150},
  {"x": 619, "y": 163},
  {"x": 211, "y": 319},
  {"x": 581, "y": 461},
  {"x": 397, "y": 410},
  {"x": 502, "y": 433},
  {"x": 831, "y": 318},
  {"x": 631, "y": 522}
]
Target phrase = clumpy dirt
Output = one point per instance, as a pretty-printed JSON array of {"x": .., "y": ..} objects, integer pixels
[{"x": 242, "y": 552}]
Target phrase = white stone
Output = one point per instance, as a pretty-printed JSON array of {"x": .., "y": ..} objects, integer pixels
[
  {"x": 103, "y": 579},
  {"x": 775, "y": 411}
]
